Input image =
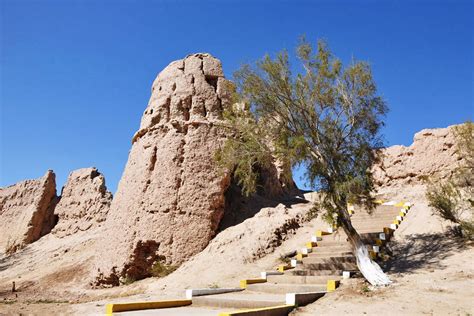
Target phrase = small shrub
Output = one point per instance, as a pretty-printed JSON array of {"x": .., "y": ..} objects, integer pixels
[
  {"x": 127, "y": 280},
  {"x": 160, "y": 269},
  {"x": 12, "y": 246},
  {"x": 213, "y": 286},
  {"x": 284, "y": 259},
  {"x": 103, "y": 280},
  {"x": 366, "y": 289},
  {"x": 444, "y": 198}
]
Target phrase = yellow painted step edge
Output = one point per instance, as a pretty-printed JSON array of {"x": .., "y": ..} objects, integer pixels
[
  {"x": 332, "y": 285},
  {"x": 320, "y": 233},
  {"x": 373, "y": 255},
  {"x": 300, "y": 256},
  {"x": 387, "y": 230},
  {"x": 282, "y": 268},
  {"x": 124, "y": 307},
  {"x": 244, "y": 283},
  {"x": 256, "y": 310}
]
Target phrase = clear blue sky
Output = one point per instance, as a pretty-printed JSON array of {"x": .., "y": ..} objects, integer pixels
[{"x": 76, "y": 75}]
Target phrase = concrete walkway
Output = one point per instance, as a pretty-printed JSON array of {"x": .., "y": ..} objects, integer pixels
[{"x": 178, "y": 311}]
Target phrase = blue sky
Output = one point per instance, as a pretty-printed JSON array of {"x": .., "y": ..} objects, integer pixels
[{"x": 76, "y": 75}]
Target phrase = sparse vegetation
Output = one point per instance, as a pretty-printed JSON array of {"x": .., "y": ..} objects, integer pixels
[
  {"x": 47, "y": 301},
  {"x": 365, "y": 289},
  {"x": 214, "y": 286},
  {"x": 453, "y": 199},
  {"x": 12, "y": 246},
  {"x": 159, "y": 269},
  {"x": 127, "y": 281},
  {"x": 284, "y": 259}
]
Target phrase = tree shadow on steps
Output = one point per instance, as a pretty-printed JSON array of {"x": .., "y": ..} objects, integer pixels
[{"x": 423, "y": 251}]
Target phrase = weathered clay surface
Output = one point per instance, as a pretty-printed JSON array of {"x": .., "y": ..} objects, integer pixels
[
  {"x": 171, "y": 194},
  {"x": 432, "y": 154},
  {"x": 26, "y": 211},
  {"x": 84, "y": 202}
]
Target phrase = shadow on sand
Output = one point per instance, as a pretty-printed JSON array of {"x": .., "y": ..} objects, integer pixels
[
  {"x": 423, "y": 251},
  {"x": 238, "y": 207}
]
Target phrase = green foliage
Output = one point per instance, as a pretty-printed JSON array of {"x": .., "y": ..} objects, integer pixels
[
  {"x": 453, "y": 199},
  {"x": 330, "y": 218},
  {"x": 465, "y": 144},
  {"x": 127, "y": 280},
  {"x": 326, "y": 118},
  {"x": 444, "y": 197},
  {"x": 313, "y": 212},
  {"x": 214, "y": 286},
  {"x": 159, "y": 269},
  {"x": 366, "y": 289}
]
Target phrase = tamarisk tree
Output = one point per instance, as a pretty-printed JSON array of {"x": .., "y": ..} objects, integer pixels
[{"x": 325, "y": 118}]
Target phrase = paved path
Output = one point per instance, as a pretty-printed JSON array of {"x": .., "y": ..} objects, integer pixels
[{"x": 178, "y": 311}]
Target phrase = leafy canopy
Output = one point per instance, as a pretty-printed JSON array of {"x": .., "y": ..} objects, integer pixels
[{"x": 326, "y": 117}]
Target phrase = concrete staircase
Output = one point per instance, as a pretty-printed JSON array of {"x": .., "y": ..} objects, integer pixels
[{"x": 316, "y": 269}]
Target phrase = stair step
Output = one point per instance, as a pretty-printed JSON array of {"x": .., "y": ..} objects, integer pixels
[
  {"x": 345, "y": 266},
  {"x": 370, "y": 229},
  {"x": 386, "y": 222},
  {"x": 283, "y": 288},
  {"x": 332, "y": 243},
  {"x": 375, "y": 216},
  {"x": 302, "y": 279},
  {"x": 381, "y": 221},
  {"x": 302, "y": 271},
  {"x": 380, "y": 208},
  {"x": 245, "y": 299},
  {"x": 323, "y": 248},
  {"x": 331, "y": 260},
  {"x": 318, "y": 254},
  {"x": 377, "y": 212}
]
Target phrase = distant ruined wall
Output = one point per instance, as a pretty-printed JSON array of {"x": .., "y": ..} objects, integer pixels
[
  {"x": 84, "y": 202},
  {"x": 171, "y": 196},
  {"x": 27, "y": 211},
  {"x": 432, "y": 154}
]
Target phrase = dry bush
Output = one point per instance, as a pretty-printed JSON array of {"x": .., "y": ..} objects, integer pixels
[{"x": 453, "y": 199}]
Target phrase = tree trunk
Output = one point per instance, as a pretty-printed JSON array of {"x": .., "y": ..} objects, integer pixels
[{"x": 369, "y": 268}]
